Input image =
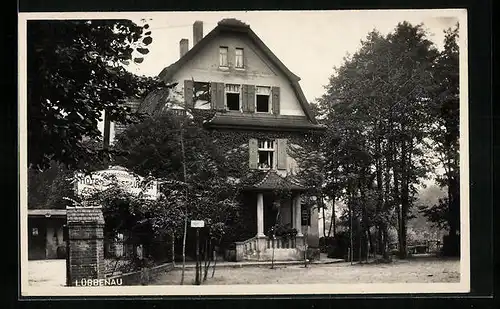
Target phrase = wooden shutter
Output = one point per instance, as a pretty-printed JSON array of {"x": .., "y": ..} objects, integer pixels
[
  {"x": 275, "y": 92},
  {"x": 188, "y": 93},
  {"x": 251, "y": 98},
  {"x": 282, "y": 154},
  {"x": 244, "y": 98},
  {"x": 220, "y": 97},
  {"x": 213, "y": 95},
  {"x": 253, "y": 153}
]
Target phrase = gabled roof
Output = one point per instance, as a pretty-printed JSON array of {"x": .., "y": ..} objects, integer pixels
[
  {"x": 234, "y": 25},
  {"x": 85, "y": 215},
  {"x": 272, "y": 181}
]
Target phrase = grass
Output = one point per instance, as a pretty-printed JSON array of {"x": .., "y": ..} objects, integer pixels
[{"x": 399, "y": 271}]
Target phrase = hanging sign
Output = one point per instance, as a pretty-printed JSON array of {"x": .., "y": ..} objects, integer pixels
[
  {"x": 197, "y": 223},
  {"x": 86, "y": 185}
]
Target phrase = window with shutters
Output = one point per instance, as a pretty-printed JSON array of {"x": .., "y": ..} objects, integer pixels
[
  {"x": 233, "y": 97},
  {"x": 238, "y": 61},
  {"x": 266, "y": 149},
  {"x": 223, "y": 56},
  {"x": 268, "y": 154},
  {"x": 201, "y": 95},
  {"x": 263, "y": 99}
]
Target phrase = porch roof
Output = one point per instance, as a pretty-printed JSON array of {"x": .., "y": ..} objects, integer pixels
[
  {"x": 272, "y": 181},
  {"x": 237, "y": 120},
  {"x": 60, "y": 213}
]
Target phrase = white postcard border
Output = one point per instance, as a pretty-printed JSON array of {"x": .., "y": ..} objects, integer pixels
[{"x": 376, "y": 288}]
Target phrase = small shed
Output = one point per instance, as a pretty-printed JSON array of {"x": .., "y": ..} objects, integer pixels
[{"x": 46, "y": 234}]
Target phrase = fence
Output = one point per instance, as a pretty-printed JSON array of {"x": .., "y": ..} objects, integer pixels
[
  {"x": 428, "y": 246},
  {"x": 143, "y": 276}
]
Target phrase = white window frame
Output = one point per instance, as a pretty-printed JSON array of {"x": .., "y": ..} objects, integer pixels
[
  {"x": 270, "y": 107},
  {"x": 221, "y": 48},
  {"x": 226, "y": 91},
  {"x": 267, "y": 145},
  {"x": 236, "y": 57}
]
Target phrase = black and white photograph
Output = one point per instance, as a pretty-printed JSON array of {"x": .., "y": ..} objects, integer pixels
[{"x": 243, "y": 152}]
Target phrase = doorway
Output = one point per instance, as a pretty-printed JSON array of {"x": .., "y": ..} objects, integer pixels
[
  {"x": 269, "y": 213},
  {"x": 36, "y": 240}
]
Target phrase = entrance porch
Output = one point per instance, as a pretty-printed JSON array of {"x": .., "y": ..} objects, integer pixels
[{"x": 271, "y": 210}]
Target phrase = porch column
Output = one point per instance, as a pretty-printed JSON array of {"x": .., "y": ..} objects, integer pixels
[
  {"x": 260, "y": 215},
  {"x": 298, "y": 215}
]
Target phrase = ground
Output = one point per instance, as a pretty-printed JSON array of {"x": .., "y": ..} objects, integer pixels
[
  {"x": 47, "y": 273},
  {"x": 419, "y": 270},
  {"x": 409, "y": 271},
  {"x": 52, "y": 272}
]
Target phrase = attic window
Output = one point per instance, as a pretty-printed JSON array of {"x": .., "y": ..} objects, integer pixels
[
  {"x": 263, "y": 100},
  {"x": 239, "y": 58},
  {"x": 233, "y": 97},
  {"x": 223, "y": 56}
]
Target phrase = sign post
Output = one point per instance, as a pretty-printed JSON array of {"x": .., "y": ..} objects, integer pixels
[{"x": 197, "y": 224}]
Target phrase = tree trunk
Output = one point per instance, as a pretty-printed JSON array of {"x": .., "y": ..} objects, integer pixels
[
  {"x": 385, "y": 243},
  {"x": 386, "y": 207},
  {"x": 208, "y": 245},
  {"x": 380, "y": 198},
  {"x": 185, "y": 207},
  {"x": 324, "y": 217},
  {"x": 107, "y": 131},
  {"x": 333, "y": 217},
  {"x": 351, "y": 255},
  {"x": 272, "y": 257},
  {"x": 453, "y": 204},
  {"x": 397, "y": 198},
  {"x": 370, "y": 244},
  {"x": 360, "y": 240},
  {"x": 366, "y": 224},
  {"x": 405, "y": 198},
  {"x": 198, "y": 274},
  {"x": 215, "y": 256},
  {"x": 173, "y": 248}
]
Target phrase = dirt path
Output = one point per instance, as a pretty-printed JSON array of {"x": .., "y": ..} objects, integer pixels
[{"x": 411, "y": 271}]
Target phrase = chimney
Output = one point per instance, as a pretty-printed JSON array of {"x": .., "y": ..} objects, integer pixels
[
  {"x": 184, "y": 47},
  {"x": 197, "y": 32}
]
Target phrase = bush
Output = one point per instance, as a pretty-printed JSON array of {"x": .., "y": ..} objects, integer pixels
[
  {"x": 313, "y": 254},
  {"x": 337, "y": 247},
  {"x": 230, "y": 254},
  {"x": 61, "y": 252},
  {"x": 324, "y": 242}
]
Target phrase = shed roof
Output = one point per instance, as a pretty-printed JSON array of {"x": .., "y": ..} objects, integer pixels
[
  {"x": 47, "y": 212},
  {"x": 261, "y": 121},
  {"x": 79, "y": 215}
]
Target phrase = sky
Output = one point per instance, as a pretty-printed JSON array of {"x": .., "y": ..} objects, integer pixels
[{"x": 309, "y": 43}]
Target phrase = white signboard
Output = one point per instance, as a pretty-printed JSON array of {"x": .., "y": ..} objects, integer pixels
[
  {"x": 197, "y": 223},
  {"x": 86, "y": 185}
]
